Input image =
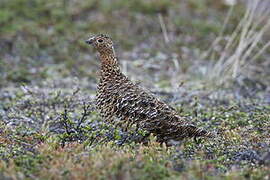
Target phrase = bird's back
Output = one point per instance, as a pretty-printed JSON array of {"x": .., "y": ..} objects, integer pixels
[{"x": 121, "y": 101}]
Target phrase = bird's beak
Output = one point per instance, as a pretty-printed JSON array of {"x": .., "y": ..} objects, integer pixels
[{"x": 90, "y": 40}]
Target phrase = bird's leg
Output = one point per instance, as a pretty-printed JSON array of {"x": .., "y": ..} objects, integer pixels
[
  {"x": 128, "y": 125},
  {"x": 197, "y": 141}
]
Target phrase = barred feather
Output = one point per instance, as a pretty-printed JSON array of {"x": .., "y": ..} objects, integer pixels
[{"x": 120, "y": 101}]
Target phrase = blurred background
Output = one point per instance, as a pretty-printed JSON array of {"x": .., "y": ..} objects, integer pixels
[
  {"x": 210, "y": 59},
  {"x": 167, "y": 45}
]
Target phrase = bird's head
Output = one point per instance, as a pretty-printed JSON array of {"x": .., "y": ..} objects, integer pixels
[{"x": 102, "y": 43}]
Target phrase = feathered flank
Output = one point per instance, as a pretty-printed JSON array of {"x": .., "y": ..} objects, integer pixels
[{"x": 120, "y": 101}]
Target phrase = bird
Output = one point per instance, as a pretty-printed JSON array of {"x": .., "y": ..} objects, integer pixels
[{"x": 122, "y": 102}]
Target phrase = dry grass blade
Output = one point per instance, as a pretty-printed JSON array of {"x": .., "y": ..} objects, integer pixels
[
  {"x": 241, "y": 44},
  {"x": 163, "y": 28}
]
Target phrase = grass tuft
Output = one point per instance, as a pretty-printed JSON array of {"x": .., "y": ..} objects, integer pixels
[{"x": 235, "y": 52}]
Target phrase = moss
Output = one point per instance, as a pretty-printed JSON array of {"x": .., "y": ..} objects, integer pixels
[{"x": 131, "y": 160}]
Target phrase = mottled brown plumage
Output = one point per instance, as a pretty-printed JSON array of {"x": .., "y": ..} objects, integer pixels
[{"x": 120, "y": 101}]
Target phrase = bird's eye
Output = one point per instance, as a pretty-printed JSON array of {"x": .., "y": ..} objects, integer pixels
[{"x": 100, "y": 40}]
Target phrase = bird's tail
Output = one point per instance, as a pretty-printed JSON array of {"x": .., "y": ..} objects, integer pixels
[{"x": 193, "y": 131}]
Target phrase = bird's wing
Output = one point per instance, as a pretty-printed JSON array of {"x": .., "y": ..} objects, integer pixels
[
  {"x": 136, "y": 105},
  {"x": 141, "y": 106}
]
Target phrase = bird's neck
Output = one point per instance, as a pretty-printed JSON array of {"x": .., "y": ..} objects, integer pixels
[{"x": 109, "y": 64}]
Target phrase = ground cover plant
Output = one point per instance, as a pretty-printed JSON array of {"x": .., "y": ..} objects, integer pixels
[{"x": 207, "y": 59}]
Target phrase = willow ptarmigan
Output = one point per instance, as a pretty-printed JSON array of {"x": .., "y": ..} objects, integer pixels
[{"x": 120, "y": 100}]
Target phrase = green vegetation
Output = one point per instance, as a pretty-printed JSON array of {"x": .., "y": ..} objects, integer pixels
[{"x": 48, "y": 75}]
